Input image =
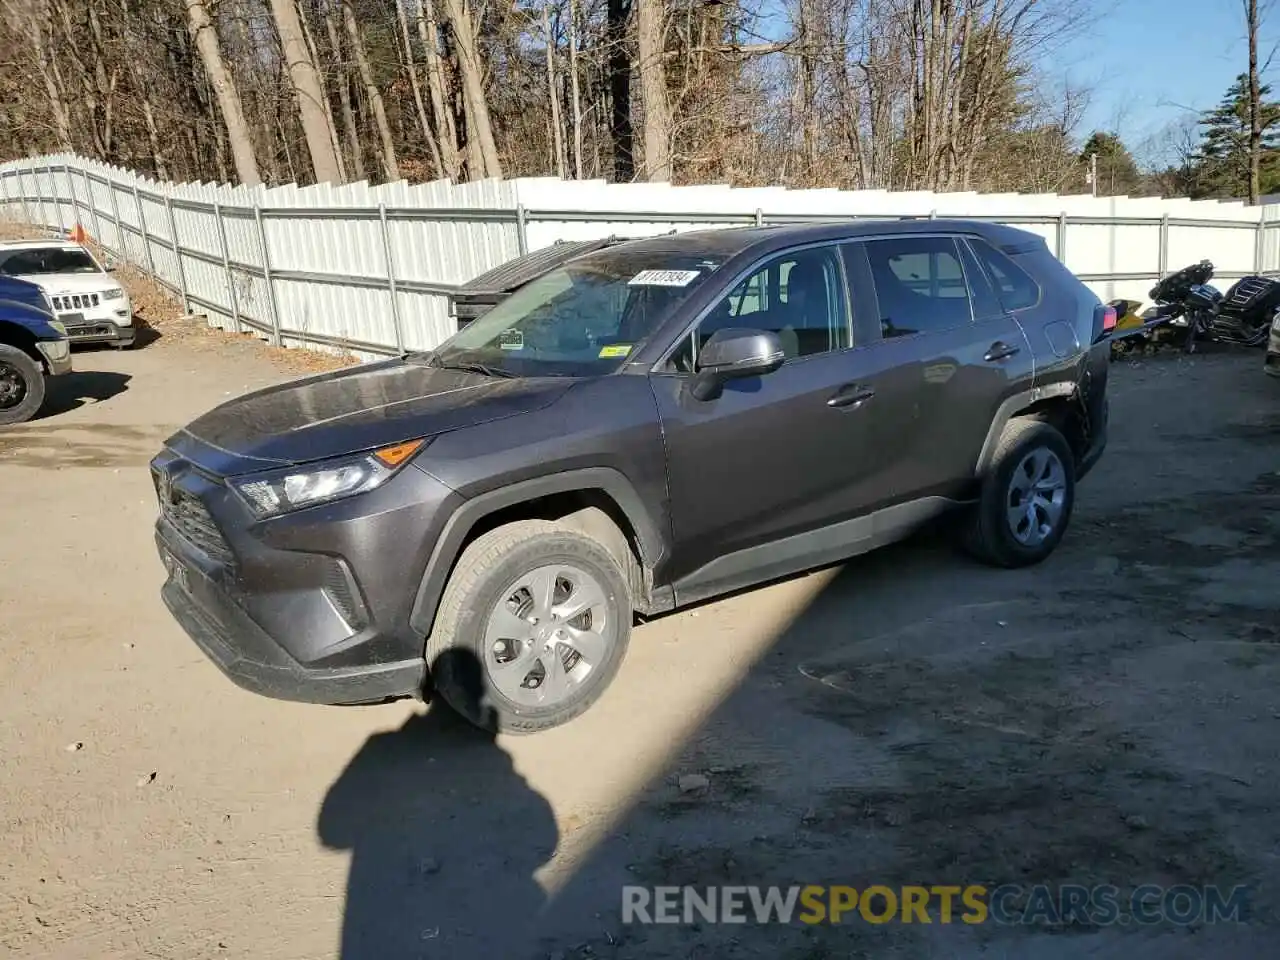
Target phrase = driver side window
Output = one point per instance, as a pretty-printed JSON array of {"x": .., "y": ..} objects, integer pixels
[{"x": 800, "y": 296}]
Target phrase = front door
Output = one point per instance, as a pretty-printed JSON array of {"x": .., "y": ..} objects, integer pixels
[{"x": 777, "y": 456}]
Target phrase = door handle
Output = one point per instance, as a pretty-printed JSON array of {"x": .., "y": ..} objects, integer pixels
[
  {"x": 999, "y": 351},
  {"x": 851, "y": 395}
]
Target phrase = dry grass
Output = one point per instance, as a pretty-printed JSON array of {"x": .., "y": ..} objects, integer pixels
[{"x": 157, "y": 310}]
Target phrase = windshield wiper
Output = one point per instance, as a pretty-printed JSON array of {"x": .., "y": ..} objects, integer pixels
[{"x": 471, "y": 367}]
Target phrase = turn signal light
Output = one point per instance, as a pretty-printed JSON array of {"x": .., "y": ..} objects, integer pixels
[{"x": 398, "y": 454}]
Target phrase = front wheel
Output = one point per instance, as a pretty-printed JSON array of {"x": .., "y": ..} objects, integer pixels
[
  {"x": 1026, "y": 497},
  {"x": 21, "y": 385},
  {"x": 533, "y": 626}
]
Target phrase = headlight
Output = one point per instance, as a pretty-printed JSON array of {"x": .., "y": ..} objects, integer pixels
[
  {"x": 116, "y": 294},
  {"x": 282, "y": 491},
  {"x": 59, "y": 326}
]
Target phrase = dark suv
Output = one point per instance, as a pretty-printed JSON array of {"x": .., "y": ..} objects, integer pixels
[{"x": 640, "y": 428}]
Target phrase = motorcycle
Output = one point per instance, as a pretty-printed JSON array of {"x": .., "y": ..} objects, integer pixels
[{"x": 1189, "y": 308}]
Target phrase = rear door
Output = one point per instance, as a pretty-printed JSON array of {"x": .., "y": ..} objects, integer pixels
[{"x": 956, "y": 351}]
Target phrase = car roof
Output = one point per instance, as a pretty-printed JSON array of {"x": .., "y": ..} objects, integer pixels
[
  {"x": 731, "y": 241},
  {"x": 41, "y": 245}
]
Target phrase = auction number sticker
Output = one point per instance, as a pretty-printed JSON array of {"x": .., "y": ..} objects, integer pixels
[
  {"x": 511, "y": 340},
  {"x": 615, "y": 350},
  {"x": 663, "y": 278}
]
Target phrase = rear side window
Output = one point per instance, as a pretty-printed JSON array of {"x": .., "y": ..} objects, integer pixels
[
  {"x": 1014, "y": 285},
  {"x": 920, "y": 285}
]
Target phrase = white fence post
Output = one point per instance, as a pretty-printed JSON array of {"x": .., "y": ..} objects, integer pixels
[
  {"x": 71, "y": 191},
  {"x": 389, "y": 261},
  {"x": 1164, "y": 244},
  {"x": 93, "y": 204},
  {"x": 115, "y": 213},
  {"x": 522, "y": 230},
  {"x": 142, "y": 225},
  {"x": 226, "y": 267},
  {"x": 177, "y": 253},
  {"x": 1061, "y": 242},
  {"x": 266, "y": 273}
]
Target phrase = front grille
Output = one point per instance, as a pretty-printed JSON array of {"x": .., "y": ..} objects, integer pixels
[
  {"x": 191, "y": 518},
  {"x": 77, "y": 301}
]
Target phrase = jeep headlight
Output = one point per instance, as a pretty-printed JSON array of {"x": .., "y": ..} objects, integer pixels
[
  {"x": 283, "y": 491},
  {"x": 116, "y": 294}
]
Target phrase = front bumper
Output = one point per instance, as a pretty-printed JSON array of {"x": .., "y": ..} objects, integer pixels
[
  {"x": 57, "y": 356},
  {"x": 311, "y": 606},
  {"x": 255, "y": 662},
  {"x": 102, "y": 331}
]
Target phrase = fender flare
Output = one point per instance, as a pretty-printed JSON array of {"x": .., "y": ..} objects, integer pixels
[
  {"x": 1006, "y": 411},
  {"x": 470, "y": 512}
]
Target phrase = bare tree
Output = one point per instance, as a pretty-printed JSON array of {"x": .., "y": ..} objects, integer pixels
[
  {"x": 308, "y": 90},
  {"x": 651, "y": 54},
  {"x": 226, "y": 91},
  {"x": 482, "y": 146},
  {"x": 390, "y": 167}
]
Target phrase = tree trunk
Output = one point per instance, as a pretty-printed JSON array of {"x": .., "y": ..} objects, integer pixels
[
  {"x": 350, "y": 128},
  {"x": 53, "y": 86},
  {"x": 224, "y": 88},
  {"x": 308, "y": 90},
  {"x": 1255, "y": 104},
  {"x": 314, "y": 50},
  {"x": 446, "y": 130},
  {"x": 553, "y": 96},
  {"x": 575, "y": 94},
  {"x": 416, "y": 83},
  {"x": 619, "y": 72},
  {"x": 479, "y": 124},
  {"x": 390, "y": 167},
  {"x": 653, "y": 90}
]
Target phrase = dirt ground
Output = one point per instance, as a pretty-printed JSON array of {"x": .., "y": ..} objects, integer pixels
[{"x": 1108, "y": 717}]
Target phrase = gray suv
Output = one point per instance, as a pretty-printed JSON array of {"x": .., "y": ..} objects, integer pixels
[{"x": 636, "y": 429}]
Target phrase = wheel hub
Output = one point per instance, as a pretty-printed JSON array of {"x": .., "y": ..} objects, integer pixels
[{"x": 546, "y": 635}]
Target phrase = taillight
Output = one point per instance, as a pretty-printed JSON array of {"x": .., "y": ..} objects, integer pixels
[{"x": 1109, "y": 318}]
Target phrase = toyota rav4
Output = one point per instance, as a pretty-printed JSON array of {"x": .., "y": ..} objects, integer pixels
[{"x": 640, "y": 428}]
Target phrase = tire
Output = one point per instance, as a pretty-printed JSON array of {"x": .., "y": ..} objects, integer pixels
[
  {"x": 21, "y": 386},
  {"x": 465, "y": 651},
  {"x": 991, "y": 535}
]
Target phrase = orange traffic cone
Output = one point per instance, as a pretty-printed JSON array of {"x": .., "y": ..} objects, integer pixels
[{"x": 78, "y": 234}]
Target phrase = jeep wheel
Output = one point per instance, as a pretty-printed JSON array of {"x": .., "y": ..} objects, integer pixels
[
  {"x": 1026, "y": 498},
  {"x": 21, "y": 385},
  {"x": 543, "y": 611}
]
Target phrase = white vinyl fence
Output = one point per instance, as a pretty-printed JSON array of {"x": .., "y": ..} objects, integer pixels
[{"x": 368, "y": 268}]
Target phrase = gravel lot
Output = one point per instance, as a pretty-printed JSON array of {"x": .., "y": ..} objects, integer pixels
[{"x": 1109, "y": 717}]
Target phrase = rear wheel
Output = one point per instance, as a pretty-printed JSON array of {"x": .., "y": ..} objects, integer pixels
[
  {"x": 21, "y": 385},
  {"x": 533, "y": 626},
  {"x": 1026, "y": 497}
]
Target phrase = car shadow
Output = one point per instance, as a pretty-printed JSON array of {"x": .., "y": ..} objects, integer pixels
[
  {"x": 445, "y": 836},
  {"x": 73, "y": 390}
]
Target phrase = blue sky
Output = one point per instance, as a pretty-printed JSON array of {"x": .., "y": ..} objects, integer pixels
[{"x": 1147, "y": 61}]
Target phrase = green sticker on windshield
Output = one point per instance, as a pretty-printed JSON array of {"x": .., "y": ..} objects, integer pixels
[
  {"x": 615, "y": 350},
  {"x": 511, "y": 340}
]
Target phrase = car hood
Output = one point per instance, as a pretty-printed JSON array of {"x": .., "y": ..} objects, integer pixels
[
  {"x": 352, "y": 410},
  {"x": 61, "y": 284}
]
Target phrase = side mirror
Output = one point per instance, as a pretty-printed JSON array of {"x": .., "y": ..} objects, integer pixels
[{"x": 734, "y": 353}]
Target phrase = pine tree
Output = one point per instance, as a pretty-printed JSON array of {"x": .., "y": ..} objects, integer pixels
[
  {"x": 1221, "y": 166},
  {"x": 1117, "y": 172}
]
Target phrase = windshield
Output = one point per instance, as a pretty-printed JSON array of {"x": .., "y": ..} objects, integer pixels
[
  {"x": 46, "y": 260},
  {"x": 582, "y": 319}
]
